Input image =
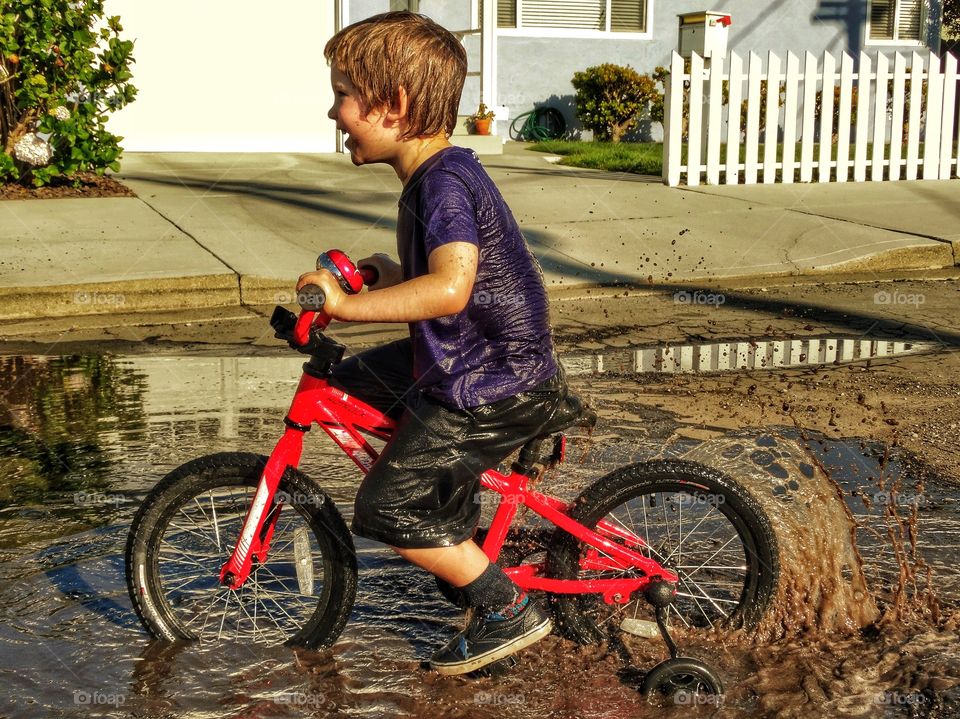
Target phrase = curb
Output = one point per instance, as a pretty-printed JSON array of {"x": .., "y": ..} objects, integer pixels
[
  {"x": 227, "y": 290},
  {"x": 94, "y": 298}
]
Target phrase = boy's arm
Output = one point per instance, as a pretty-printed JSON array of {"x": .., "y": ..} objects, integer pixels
[{"x": 444, "y": 290}]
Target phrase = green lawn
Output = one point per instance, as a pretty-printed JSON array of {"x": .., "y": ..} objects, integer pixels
[
  {"x": 646, "y": 158},
  {"x": 643, "y": 158}
]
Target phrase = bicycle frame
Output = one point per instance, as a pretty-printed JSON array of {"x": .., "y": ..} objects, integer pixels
[{"x": 346, "y": 419}]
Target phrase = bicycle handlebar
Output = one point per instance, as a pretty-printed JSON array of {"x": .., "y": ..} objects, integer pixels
[{"x": 311, "y": 297}]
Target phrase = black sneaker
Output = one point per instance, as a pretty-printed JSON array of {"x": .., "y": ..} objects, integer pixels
[{"x": 487, "y": 639}]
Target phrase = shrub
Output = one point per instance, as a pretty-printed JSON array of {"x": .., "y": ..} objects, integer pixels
[
  {"x": 835, "y": 121},
  {"x": 62, "y": 71},
  {"x": 660, "y": 75},
  {"x": 951, "y": 18},
  {"x": 610, "y": 99}
]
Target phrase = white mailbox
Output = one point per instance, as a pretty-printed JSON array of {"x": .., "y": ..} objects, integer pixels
[{"x": 704, "y": 33}]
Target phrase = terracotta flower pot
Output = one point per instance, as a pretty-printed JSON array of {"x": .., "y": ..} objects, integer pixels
[{"x": 482, "y": 127}]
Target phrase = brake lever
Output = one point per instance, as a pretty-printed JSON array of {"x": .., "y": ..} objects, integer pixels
[{"x": 283, "y": 321}]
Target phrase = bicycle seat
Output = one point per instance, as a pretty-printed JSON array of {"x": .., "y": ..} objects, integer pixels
[{"x": 568, "y": 413}]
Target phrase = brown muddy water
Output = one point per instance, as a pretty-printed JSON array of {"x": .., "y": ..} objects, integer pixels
[{"x": 83, "y": 438}]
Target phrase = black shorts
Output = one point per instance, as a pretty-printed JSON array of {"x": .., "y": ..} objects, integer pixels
[{"x": 423, "y": 489}]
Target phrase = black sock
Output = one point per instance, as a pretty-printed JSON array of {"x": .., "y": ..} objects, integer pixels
[{"x": 492, "y": 590}]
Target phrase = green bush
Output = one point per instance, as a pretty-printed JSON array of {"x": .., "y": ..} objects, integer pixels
[
  {"x": 63, "y": 69},
  {"x": 660, "y": 75},
  {"x": 951, "y": 18},
  {"x": 611, "y": 98}
]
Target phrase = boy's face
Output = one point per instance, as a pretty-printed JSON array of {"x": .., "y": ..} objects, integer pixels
[{"x": 368, "y": 140}]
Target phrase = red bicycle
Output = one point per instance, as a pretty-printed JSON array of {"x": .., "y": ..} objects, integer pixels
[{"x": 245, "y": 547}]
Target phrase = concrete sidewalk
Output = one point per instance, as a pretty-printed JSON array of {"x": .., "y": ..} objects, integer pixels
[{"x": 220, "y": 230}]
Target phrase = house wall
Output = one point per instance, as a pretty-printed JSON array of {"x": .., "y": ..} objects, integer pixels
[
  {"x": 224, "y": 75},
  {"x": 536, "y": 71},
  {"x": 451, "y": 14}
]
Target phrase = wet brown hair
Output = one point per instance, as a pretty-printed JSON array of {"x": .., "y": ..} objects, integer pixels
[{"x": 395, "y": 49}]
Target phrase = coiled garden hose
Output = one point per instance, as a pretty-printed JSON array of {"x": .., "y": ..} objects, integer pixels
[{"x": 542, "y": 123}]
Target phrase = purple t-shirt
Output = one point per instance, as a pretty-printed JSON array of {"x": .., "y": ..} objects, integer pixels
[{"x": 500, "y": 344}]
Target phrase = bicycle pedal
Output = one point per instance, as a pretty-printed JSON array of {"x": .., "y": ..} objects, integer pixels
[{"x": 559, "y": 452}]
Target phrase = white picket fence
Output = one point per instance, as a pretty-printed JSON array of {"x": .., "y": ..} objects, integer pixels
[{"x": 714, "y": 135}]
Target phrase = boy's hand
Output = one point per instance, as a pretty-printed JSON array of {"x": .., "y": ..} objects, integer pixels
[
  {"x": 388, "y": 271},
  {"x": 331, "y": 289},
  {"x": 444, "y": 290}
]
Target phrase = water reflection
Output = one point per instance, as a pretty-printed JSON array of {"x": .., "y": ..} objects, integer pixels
[
  {"x": 745, "y": 354},
  {"x": 57, "y": 418}
]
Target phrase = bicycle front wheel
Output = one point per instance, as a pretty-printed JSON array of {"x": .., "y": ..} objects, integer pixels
[
  {"x": 185, "y": 532},
  {"x": 691, "y": 519}
]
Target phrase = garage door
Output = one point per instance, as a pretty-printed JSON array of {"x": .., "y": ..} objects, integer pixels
[{"x": 227, "y": 76}]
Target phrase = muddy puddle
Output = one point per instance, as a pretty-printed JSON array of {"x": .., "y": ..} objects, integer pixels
[{"x": 82, "y": 439}]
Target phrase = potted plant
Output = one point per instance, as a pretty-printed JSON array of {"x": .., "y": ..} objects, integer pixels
[{"x": 481, "y": 120}]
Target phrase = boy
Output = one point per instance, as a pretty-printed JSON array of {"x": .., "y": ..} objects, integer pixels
[{"x": 478, "y": 377}]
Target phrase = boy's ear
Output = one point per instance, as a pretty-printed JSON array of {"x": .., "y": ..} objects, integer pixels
[{"x": 399, "y": 106}]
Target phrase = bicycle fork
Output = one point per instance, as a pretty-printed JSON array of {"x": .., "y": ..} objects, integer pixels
[{"x": 257, "y": 531}]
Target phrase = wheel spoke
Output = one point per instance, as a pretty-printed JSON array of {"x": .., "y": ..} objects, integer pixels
[
  {"x": 707, "y": 545},
  {"x": 192, "y": 533},
  {"x": 677, "y": 550},
  {"x": 712, "y": 599},
  {"x": 193, "y": 545}
]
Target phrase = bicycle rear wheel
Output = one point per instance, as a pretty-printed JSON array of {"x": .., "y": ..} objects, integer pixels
[
  {"x": 693, "y": 520},
  {"x": 185, "y": 532}
]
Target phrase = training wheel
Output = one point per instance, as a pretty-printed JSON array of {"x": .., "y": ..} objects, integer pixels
[{"x": 684, "y": 679}]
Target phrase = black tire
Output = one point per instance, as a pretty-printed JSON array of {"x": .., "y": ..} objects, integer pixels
[
  {"x": 727, "y": 514},
  {"x": 195, "y": 513},
  {"x": 685, "y": 680}
]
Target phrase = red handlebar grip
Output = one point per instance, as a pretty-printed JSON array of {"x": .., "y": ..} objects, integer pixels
[
  {"x": 369, "y": 274},
  {"x": 311, "y": 296}
]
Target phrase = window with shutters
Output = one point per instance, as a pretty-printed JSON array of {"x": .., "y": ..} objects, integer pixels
[
  {"x": 574, "y": 18},
  {"x": 895, "y": 21}
]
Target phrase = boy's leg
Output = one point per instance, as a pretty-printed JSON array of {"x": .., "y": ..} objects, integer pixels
[
  {"x": 421, "y": 497},
  {"x": 381, "y": 376},
  {"x": 457, "y": 565},
  {"x": 467, "y": 568}
]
